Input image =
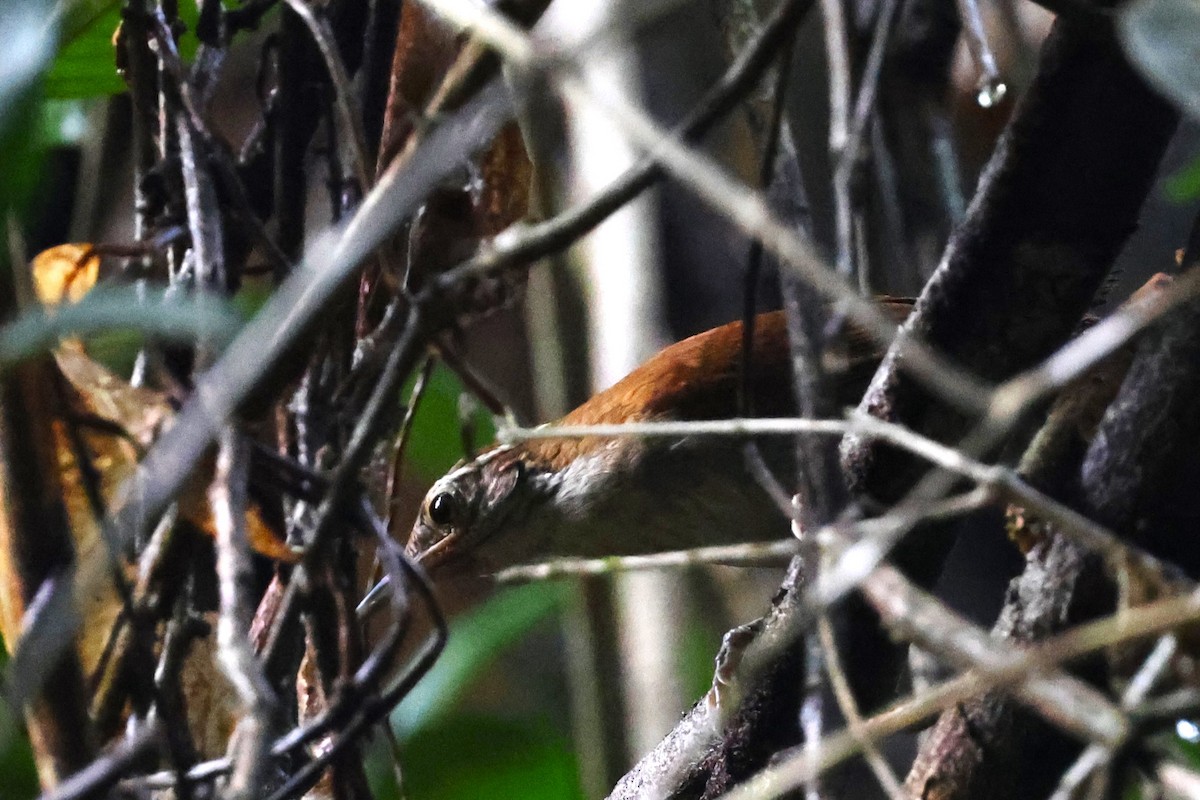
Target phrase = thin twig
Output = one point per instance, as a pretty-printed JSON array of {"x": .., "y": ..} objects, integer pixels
[
  {"x": 348, "y": 113},
  {"x": 742, "y": 206},
  {"x": 294, "y": 306},
  {"x": 109, "y": 767},
  {"x": 743, "y": 555},
  {"x": 358, "y": 449},
  {"x": 864, "y": 103},
  {"x": 769, "y": 167},
  {"x": 1124, "y": 626},
  {"x": 1073, "y": 359},
  {"x": 476, "y": 384},
  {"x": 403, "y": 435},
  {"x": 990, "y": 89},
  {"x": 364, "y": 711},
  {"x": 848, "y": 156},
  {"x": 1066, "y": 701},
  {"x": 849, "y": 707},
  {"x": 837, "y": 55},
  {"x": 752, "y": 554},
  {"x": 1096, "y": 756},
  {"x": 172, "y": 65},
  {"x": 374, "y": 709},
  {"x": 203, "y": 213},
  {"x": 860, "y": 557},
  {"x": 526, "y": 243},
  {"x": 250, "y": 743},
  {"x": 761, "y": 426},
  {"x": 169, "y": 703}
]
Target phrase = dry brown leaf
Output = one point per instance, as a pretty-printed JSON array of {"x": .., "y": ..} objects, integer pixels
[
  {"x": 213, "y": 709},
  {"x": 507, "y": 176},
  {"x": 426, "y": 46},
  {"x": 116, "y": 422}
]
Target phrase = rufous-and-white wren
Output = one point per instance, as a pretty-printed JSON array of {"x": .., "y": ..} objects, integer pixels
[{"x": 603, "y": 496}]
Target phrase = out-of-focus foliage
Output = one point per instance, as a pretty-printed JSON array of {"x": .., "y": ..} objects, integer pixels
[
  {"x": 472, "y": 757},
  {"x": 18, "y": 779},
  {"x": 475, "y": 641},
  {"x": 77, "y": 17},
  {"x": 120, "y": 308},
  {"x": 29, "y": 41},
  {"x": 86, "y": 64},
  {"x": 436, "y": 441},
  {"x": 700, "y": 641},
  {"x": 1184, "y": 185},
  {"x": 62, "y": 123},
  {"x": 450, "y": 754},
  {"x": 1162, "y": 38},
  {"x": 1185, "y": 750}
]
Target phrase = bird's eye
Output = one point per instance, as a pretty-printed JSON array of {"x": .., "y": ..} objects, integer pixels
[{"x": 443, "y": 508}]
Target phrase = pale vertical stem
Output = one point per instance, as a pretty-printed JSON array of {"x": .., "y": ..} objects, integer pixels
[
  {"x": 837, "y": 49},
  {"x": 621, "y": 255},
  {"x": 990, "y": 89},
  {"x": 544, "y": 328},
  {"x": 625, "y": 327},
  {"x": 250, "y": 744},
  {"x": 555, "y": 336}
]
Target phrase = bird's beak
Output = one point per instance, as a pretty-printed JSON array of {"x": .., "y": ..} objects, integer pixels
[
  {"x": 441, "y": 560},
  {"x": 443, "y": 553}
]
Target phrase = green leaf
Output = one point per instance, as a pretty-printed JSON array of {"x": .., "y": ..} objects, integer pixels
[
  {"x": 436, "y": 442},
  {"x": 62, "y": 123},
  {"x": 29, "y": 42},
  {"x": 1185, "y": 750},
  {"x": 86, "y": 66},
  {"x": 1162, "y": 39},
  {"x": 466, "y": 758},
  {"x": 78, "y": 16},
  {"x": 16, "y": 759},
  {"x": 698, "y": 648},
  {"x": 28, "y": 31},
  {"x": 475, "y": 641},
  {"x": 379, "y": 760},
  {"x": 19, "y": 778}
]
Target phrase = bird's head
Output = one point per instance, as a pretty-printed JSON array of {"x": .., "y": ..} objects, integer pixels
[{"x": 516, "y": 504}]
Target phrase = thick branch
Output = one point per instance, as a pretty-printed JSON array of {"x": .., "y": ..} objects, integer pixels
[
  {"x": 1057, "y": 202},
  {"x": 1141, "y": 470},
  {"x": 1133, "y": 478}
]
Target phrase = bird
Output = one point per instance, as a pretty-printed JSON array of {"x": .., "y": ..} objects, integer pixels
[{"x": 616, "y": 496}]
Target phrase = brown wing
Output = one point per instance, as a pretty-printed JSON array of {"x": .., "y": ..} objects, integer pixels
[{"x": 698, "y": 377}]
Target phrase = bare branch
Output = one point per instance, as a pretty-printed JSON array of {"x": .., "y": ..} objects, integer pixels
[
  {"x": 741, "y": 205},
  {"x": 1066, "y": 701},
  {"x": 1129, "y": 625},
  {"x": 1031, "y": 246},
  {"x": 249, "y": 746},
  {"x": 349, "y": 116},
  {"x": 849, "y": 707}
]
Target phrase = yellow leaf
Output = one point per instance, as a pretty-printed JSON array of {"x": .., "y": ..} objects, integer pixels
[{"x": 65, "y": 273}]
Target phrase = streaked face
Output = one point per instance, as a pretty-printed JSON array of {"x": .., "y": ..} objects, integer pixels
[{"x": 463, "y": 516}]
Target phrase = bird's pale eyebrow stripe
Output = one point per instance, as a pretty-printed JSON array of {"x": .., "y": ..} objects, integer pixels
[{"x": 476, "y": 464}]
